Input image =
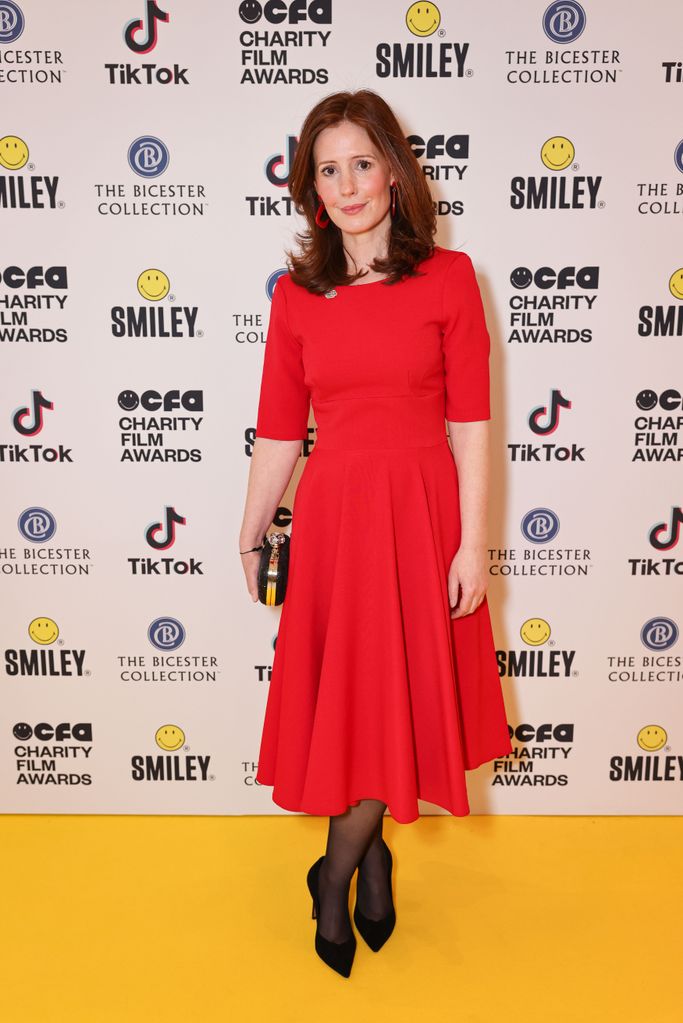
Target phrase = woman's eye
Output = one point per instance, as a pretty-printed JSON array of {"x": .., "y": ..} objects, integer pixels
[
  {"x": 366, "y": 164},
  {"x": 325, "y": 169}
]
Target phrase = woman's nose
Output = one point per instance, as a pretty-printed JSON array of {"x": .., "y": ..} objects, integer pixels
[{"x": 347, "y": 185}]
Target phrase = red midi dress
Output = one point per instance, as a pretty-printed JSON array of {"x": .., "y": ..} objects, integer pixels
[{"x": 375, "y": 691}]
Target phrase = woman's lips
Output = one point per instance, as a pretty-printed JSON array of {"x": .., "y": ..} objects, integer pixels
[{"x": 353, "y": 209}]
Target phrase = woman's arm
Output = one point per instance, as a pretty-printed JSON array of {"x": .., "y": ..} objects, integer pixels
[
  {"x": 272, "y": 465},
  {"x": 471, "y": 451}
]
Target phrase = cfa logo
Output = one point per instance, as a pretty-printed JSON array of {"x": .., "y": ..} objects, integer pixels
[
  {"x": 152, "y": 401},
  {"x": 148, "y": 27},
  {"x": 455, "y": 146},
  {"x": 23, "y": 731},
  {"x": 277, "y": 11},
  {"x": 35, "y": 277}
]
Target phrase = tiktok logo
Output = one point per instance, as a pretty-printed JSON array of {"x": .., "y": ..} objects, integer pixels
[
  {"x": 33, "y": 413},
  {"x": 556, "y": 403},
  {"x": 163, "y": 542},
  {"x": 153, "y": 14},
  {"x": 662, "y": 542},
  {"x": 277, "y": 163}
]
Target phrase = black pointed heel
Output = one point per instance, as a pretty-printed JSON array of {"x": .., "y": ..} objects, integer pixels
[
  {"x": 338, "y": 955},
  {"x": 376, "y": 932}
]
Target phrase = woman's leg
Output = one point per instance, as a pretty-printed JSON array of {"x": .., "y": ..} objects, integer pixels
[
  {"x": 348, "y": 838},
  {"x": 373, "y": 892}
]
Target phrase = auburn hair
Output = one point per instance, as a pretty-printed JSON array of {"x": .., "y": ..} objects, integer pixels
[{"x": 321, "y": 263}]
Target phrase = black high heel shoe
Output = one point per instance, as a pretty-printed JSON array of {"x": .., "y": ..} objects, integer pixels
[
  {"x": 338, "y": 955},
  {"x": 376, "y": 932}
]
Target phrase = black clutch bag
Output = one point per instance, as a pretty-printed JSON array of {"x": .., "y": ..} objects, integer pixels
[{"x": 273, "y": 569}]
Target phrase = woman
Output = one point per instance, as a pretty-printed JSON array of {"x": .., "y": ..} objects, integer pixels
[{"x": 379, "y": 694}]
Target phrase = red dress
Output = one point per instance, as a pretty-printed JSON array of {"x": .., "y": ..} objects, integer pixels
[{"x": 376, "y": 692}]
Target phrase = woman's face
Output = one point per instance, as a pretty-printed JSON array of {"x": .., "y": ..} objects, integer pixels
[{"x": 352, "y": 178}]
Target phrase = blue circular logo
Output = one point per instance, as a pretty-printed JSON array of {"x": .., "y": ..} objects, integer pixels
[
  {"x": 564, "y": 21},
  {"x": 12, "y": 21},
  {"x": 37, "y": 525},
  {"x": 540, "y": 525},
  {"x": 659, "y": 634},
  {"x": 166, "y": 633},
  {"x": 678, "y": 156},
  {"x": 272, "y": 281},
  {"x": 148, "y": 156}
]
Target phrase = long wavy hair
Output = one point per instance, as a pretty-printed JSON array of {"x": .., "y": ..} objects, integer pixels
[{"x": 321, "y": 263}]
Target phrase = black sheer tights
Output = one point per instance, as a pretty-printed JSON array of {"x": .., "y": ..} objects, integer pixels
[{"x": 354, "y": 840}]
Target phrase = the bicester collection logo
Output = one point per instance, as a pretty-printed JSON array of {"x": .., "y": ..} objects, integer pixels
[
  {"x": 31, "y": 66},
  {"x": 563, "y": 22}
]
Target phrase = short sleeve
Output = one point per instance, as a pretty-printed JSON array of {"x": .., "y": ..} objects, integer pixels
[
  {"x": 466, "y": 344},
  {"x": 284, "y": 398}
]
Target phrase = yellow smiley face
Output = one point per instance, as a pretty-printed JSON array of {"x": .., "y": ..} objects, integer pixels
[
  {"x": 153, "y": 285},
  {"x": 43, "y": 631},
  {"x": 557, "y": 153},
  {"x": 651, "y": 738},
  {"x": 676, "y": 283},
  {"x": 423, "y": 19},
  {"x": 13, "y": 152},
  {"x": 535, "y": 631},
  {"x": 170, "y": 737}
]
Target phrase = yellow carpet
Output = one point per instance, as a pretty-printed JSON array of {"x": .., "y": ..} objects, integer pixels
[{"x": 196, "y": 919}]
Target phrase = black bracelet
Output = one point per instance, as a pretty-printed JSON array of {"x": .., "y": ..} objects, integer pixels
[{"x": 260, "y": 546}]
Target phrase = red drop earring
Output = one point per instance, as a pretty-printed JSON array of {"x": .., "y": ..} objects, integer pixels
[
  {"x": 393, "y": 191},
  {"x": 318, "y": 215}
]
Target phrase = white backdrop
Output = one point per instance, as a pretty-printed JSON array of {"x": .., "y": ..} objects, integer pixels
[{"x": 143, "y": 226}]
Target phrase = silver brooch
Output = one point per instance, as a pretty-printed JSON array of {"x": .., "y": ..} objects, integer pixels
[{"x": 331, "y": 293}]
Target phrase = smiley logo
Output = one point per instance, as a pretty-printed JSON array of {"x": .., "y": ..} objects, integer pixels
[
  {"x": 153, "y": 285},
  {"x": 646, "y": 400},
  {"x": 535, "y": 631},
  {"x": 13, "y": 152},
  {"x": 521, "y": 277},
  {"x": 128, "y": 400},
  {"x": 557, "y": 153},
  {"x": 676, "y": 284},
  {"x": 651, "y": 738},
  {"x": 43, "y": 631},
  {"x": 170, "y": 737},
  {"x": 423, "y": 19},
  {"x": 250, "y": 11},
  {"x": 22, "y": 731}
]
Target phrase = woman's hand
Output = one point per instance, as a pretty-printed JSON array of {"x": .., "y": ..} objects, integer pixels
[
  {"x": 468, "y": 575},
  {"x": 250, "y": 564}
]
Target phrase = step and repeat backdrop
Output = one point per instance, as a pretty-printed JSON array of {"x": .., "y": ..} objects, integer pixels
[{"x": 145, "y": 149}]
